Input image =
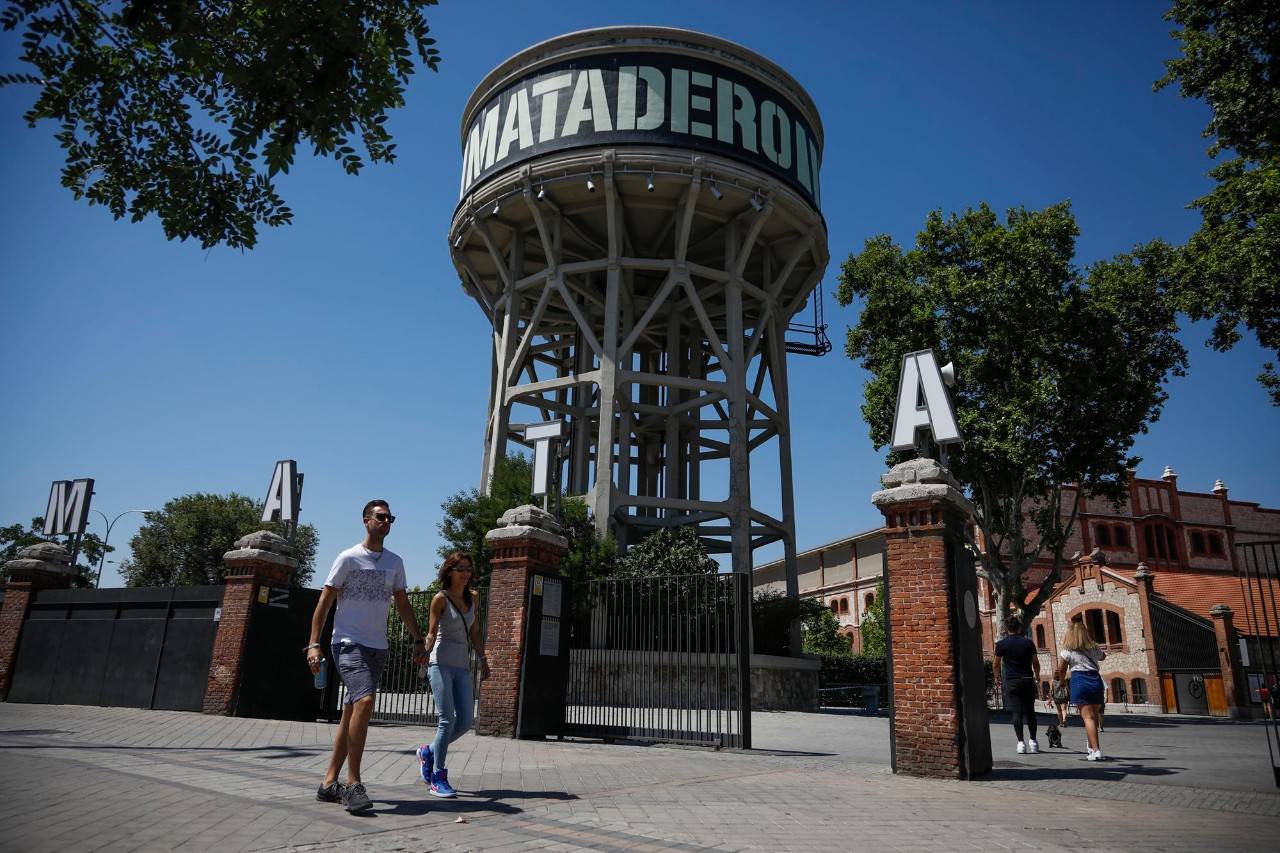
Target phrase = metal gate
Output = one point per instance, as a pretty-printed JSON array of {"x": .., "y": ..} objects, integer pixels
[
  {"x": 1260, "y": 583},
  {"x": 126, "y": 648},
  {"x": 404, "y": 696},
  {"x": 662, "y": 658}
]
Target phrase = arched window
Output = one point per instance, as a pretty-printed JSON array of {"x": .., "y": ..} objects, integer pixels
[
  {"x": 1122, "y": 536},
  {"x": 1040, "y": 643},
  {"x": 1197, "y": 542},
  {"x": 1117, "y": 690},
  {"x": 1103, "y": 534},
  {"x": 869, "y": 600},
  {"x": 1139, "y": 690},
  {"x": 1105, "y": 626},
  {"x": 1114, "y": 635},
  {"x": 835, "y": 606},
  {"x": 1215, "y": 543},
  {"x": 844, "y": 605}
]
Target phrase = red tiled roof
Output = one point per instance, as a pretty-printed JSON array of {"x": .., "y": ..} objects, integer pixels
[{"x": 1199, "y": 592}]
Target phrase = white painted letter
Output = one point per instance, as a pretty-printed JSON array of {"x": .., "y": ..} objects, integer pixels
[
  {"x": 920, "y": 373},
  {"x": 517, "y": 125},
  {"x": 727, "y": 114},
  {"x": 777, "y": 154},
  {"x": 542, "y": 435},
  {"x": 550, "y": 107},
  {"x": 655, "y": 104}
]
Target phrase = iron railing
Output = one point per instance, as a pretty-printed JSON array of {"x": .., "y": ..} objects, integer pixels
[
  {"x": 662, "y": 658},
  {"x": 404, "y": 696},
  {"x": 1260, "y": 574}
]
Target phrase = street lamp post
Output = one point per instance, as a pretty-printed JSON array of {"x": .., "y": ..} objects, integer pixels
[{"x": 102, "y": 561}]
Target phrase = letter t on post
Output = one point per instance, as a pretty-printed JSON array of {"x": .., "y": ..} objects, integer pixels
[{"x": 542, "y": 435}]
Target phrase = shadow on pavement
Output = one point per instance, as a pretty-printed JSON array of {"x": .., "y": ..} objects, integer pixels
[{"x": 489, "y": 801}]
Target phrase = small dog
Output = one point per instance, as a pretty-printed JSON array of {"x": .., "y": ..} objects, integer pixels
[{"x": 1055, "y": 736}]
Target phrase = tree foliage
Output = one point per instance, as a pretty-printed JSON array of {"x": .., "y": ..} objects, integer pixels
[
  {"x": 820, "y": 631},
  {"x": 667, "y": 551},
  {"x": 872, "y": 627},
  {"x": 469, "y": 516},
  {"x": 183, "y": 543},
  {"x": 1230, "y": 268},
  {"x": 15, "y": 536},
  {"x": 1058, "y": 369},
  {"x": 189, "y": 109}
]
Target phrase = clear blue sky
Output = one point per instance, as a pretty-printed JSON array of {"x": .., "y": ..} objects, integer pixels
[{"x": 345, "y": 342}]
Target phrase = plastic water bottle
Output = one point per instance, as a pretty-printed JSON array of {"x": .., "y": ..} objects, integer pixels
[{"x": 322, "y": 676}]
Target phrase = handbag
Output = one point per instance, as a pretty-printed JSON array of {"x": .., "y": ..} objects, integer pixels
[{"x": 1060, "y": 694}]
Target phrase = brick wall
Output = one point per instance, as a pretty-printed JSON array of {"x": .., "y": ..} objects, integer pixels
[
  {"x": 514, "y": 562},
  {"x": 17, "y": 595},
  {"x": 926, "y": 721},
  {"x": 229, "y": 646}
]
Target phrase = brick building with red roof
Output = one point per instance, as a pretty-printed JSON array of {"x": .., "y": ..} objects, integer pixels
[{"x": 1166, "y": 597}]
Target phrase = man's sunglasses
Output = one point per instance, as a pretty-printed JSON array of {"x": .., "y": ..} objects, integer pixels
[{"x": 384, "y": 516}]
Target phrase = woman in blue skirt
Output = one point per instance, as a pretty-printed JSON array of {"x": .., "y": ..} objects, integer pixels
[{"x": 1080, "y": 657}]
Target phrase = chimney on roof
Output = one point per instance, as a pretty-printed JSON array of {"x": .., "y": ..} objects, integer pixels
[
  {"x": 1169, "y": 476},
  {"x": 1219, "y": 488}
]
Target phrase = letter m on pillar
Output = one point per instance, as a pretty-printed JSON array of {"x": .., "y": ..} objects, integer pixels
[
  {"x": 68, "y": 510},
  {"x": 923, "y": 403}
]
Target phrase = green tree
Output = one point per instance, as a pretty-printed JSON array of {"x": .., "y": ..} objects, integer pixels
[
  {"x": 820, "y": 630},
  {"x": 1230, "y": 268},
  {"x": 469, "y": 516},
  {"x": 1058, "y": 369},
  {"x": 667, "y": 551},
  {"x": 183, "y": 543},
  {"x": 15, "y": 536},
  {"x": 189, "y": 109},
  {"x": 872, "y": 627}
]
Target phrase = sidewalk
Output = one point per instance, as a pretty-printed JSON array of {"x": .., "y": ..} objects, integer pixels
[{"x": 119, "y": 779}]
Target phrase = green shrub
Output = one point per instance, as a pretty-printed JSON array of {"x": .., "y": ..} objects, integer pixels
[{"x": 840, "y": 669}]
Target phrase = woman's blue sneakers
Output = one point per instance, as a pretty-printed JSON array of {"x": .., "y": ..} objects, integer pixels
[
  {"x": 426, "y": 762},
  {"x": 440, "y": 784}
]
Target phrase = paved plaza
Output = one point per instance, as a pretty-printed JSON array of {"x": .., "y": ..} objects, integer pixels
[{"x": 116, "y": 779}]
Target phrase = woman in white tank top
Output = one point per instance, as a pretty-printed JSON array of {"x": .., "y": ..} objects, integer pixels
[{"x": 452, "y": 633}]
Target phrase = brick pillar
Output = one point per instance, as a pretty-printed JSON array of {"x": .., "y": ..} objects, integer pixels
[
  {"x": 45, "y": 565},
  {"x": 924, "y": 514},
  {"x": 261, "y": 559},
  {"x": 527, "y": 541},
  {"x": 1228, "y": 641},
  {"x": 1145, "y": 579}
]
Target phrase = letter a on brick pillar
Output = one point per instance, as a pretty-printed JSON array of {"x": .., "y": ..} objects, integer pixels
[{"x": 939, "y": 722}]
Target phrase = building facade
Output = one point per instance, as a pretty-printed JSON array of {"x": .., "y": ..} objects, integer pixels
[{"x": 1163, "y": 593}]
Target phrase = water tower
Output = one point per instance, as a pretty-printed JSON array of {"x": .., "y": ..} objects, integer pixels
[{"x": 639, "y": 218}]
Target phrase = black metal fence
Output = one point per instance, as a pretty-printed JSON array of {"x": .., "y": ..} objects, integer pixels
[
  {"x": 1260, "y": 574},
  {"x": 662, "y": 658},
  {"x": 404, "y": 696}
]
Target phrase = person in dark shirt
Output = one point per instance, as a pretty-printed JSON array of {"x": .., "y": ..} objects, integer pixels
[{"x": 1021, "y": 674}]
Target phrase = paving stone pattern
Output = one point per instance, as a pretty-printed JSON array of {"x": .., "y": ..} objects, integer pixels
[{"x": 121, "y": 780}]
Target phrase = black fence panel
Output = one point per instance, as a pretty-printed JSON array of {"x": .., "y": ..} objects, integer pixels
[
  {"x": 662, "y": 658},
  {"x": 1260, "y": 577},
  {"x": 139, "y": 648},
  {"x": 276, "y": 682}
]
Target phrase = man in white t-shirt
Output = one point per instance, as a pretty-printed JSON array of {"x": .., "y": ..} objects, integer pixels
[{"x": 363, "y": 580}]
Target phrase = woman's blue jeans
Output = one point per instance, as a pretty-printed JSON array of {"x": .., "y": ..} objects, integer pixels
[{"x": 451, "y": 685}]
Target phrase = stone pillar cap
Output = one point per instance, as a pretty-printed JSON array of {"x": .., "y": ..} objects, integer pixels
[
  {"x": 263, "y": 545},
  {"x": 43, "y": 559},
  {"x": 921, "y": 479},
  {"x": 1220, "y": 610},
  {"x": 1168, "y": 473},
  {"x": 529, "y": 522},
  {"x": 1143, "y": 572}
]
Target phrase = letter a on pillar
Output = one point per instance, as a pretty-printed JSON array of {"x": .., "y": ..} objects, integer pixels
[{"x": 920, "y": 379}]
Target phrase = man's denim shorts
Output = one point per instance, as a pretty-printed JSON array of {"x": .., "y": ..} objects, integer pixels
[{"x": 360, "y": 668}]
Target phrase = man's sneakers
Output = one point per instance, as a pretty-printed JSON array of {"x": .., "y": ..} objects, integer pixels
[
  {"x": 440, "y": 786},
  {"x": 426, "y": 762},
  {"x": 1033, "y": 747},
  {"x": 1095, "y": 756},
  {"x": 331, "y": 793},
  {"x": 355, "y": 799},
  {"x": 1022, "y": 748}
]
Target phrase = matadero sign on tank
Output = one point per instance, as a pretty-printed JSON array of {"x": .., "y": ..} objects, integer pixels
[
  {"x": 643, "y": 98},
  {"x": 639, "y": 221}
]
